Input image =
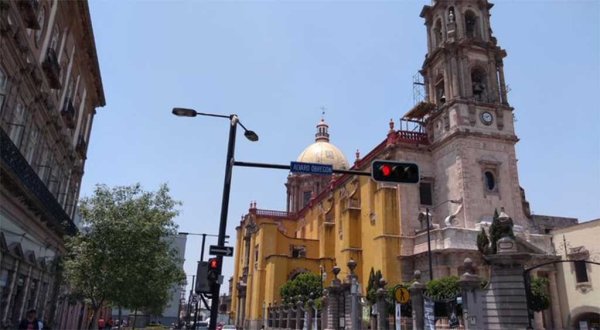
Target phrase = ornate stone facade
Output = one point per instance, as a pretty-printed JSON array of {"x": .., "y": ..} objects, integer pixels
[
  {"x": 464, "y": 144},
  {"x": 50, "y": 86}
]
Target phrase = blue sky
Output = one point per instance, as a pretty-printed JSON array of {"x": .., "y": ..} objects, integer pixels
[{"x": 275, "y": 64}]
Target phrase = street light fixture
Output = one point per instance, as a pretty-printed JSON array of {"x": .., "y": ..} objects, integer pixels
[
  {"x": 428, "y": 215},
  {"x": 250, "y": 135}
]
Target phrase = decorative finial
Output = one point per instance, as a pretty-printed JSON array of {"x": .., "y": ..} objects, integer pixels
[
  {"x": 391, "y": 125},
  {"x": 357, "y": 154}
]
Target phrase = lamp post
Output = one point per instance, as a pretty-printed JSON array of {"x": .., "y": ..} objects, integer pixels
[
  {"x": 428, "y": 215},
  {"x": 250, "y": 135}
]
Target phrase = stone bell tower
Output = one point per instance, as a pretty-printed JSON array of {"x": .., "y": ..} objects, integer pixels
[{"x": 470, "y": 124}]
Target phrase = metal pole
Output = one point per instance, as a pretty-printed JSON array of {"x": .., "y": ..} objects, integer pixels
[
  {"x": 202, "y": 251},
  {"x": 429, "y": 245},
  {"x": 214, "y": 307},
  {"x": 189, "y": 308}
]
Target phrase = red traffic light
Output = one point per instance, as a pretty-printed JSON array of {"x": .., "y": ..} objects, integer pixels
[
  {"x": 397, "y": 172},
  {"x": 213, "y": 263},
  {"x": 386, "y": 170}
]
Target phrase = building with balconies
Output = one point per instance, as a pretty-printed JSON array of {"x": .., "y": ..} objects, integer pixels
[{"x": 50, "y": 87}]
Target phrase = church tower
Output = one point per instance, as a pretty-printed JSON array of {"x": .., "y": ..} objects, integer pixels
[{"x": 470, "y": 126}]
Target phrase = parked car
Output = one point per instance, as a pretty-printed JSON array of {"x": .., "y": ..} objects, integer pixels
[{"x": 228, "y": 327}]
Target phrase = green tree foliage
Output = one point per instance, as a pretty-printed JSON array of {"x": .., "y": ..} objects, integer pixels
[
  {"x": 373, "y": 285},
  {"x": 303, "y": 287},
  {"x": 539, "y": 299},
  {"x": 125, "y": 257},
  {"x": 483, "y": 243},
  {"x": 443, "y": 288}
]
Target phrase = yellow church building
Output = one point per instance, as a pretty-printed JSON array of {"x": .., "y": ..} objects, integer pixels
[{"x": 463, "y": 139}]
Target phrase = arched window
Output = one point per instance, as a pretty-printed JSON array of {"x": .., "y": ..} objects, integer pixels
[
  {"x": 479, "y": 83},
  {"x": 471, "y": 24},
  {"x": 437, "y": 33},
  {"x": 440, "y": 95}
]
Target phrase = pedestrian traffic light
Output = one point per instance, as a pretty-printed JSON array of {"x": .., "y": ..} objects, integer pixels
[
  {"x": 202, "y": 285},
  {"x": 391, "y": 171},
  {"x": 212, "y": 275}
]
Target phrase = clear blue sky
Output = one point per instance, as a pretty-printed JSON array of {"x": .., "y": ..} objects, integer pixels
[{"x": 276, "y": 64}]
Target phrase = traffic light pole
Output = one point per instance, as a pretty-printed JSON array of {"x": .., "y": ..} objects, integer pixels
[{"x": 214, "y": 307}]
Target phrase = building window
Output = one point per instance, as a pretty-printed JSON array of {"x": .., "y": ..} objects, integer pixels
[
  {"x": 298, "y": 252},
  {"x": 425, "y": 190},
  {"x": 3, "y": 84},
  {"x": 440, "y": 95},
  {"x": 306, "y": 198},
  {"x": 490, "y": 181},
  {"x": 17, "y": 124},
  {"x": 40, "y": 18},
  {"x": 478, "y": 83},
  {"x": 437, "y": 33},
  {"x": 471, "y": 24},
  {"x": 581, "y": 271},
  {"x": 32, "y": 142}
]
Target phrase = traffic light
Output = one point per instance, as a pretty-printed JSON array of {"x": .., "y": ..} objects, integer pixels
[
  {"x": 202, "y": 285},
  {"x": 390, "y": 171},
  {"x": 212, "y": 275}
]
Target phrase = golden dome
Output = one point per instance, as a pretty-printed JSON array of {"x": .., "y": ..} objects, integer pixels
[{"x": 323, "y": 152}]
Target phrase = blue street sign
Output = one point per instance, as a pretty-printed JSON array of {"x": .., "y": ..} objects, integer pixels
[{"x": 311, "y": 168}]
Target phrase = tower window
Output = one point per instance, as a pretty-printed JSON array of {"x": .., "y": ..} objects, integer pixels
[
  {"x": 478, "y": 83},
  {"x": 490, "y": 181},
  {"x": 471, "y": 24},
  {"x": 581, "y": 271},
  {"x": 440, "y": 95},
  {"x": 437, "y": 33}
]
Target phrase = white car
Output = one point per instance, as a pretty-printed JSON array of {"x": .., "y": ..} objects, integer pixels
[{"x": 228, "y": 326}]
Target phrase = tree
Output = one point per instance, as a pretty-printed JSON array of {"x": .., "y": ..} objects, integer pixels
[
  {"x": 443, "y": 288},
  {"x": 125, "y": 257},
  {"x": 539, "y": 294},
  {"x": 303, "y": 287}
]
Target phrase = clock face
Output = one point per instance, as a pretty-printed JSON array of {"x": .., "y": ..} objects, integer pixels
[{"x": 486, "y": 118}]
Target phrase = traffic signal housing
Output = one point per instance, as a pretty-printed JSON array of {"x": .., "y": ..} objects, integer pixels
[
  {"x": 397, "y": 172},
  {"x": 212, "y": 275},
  {"x": 202, "y": 285}
]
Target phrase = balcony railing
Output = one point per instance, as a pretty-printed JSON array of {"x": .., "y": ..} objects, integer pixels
[
  {"x": 412, "y": 137},
  {"x": 27, "y": 180},
  {"x": 29, "y": 9},
  {"x": 52, "y": 69},
  {"x": 68, "y": 113},
  {"x": 274, "y": 214}
]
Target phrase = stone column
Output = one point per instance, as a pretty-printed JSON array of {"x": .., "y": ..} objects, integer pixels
[
  {"x": 382, "y": 319},
  {"x": 300, "y": 315},
  {"x": 333, "y": 311},
  {"x": 470, "y": 287},
  {"x": 502, "y": 83},
  {"x": 555, "y": 301},
  {"x": 416, "y": 293},
  {"x": 309, "y": 312},
  {"x": 355, "y": 296},
  {"x": 289, "y": 311}
]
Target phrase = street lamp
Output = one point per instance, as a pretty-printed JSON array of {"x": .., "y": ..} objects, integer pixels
[
  {"x": 250, "y": 135},
  {"x": 428, "y": 215}
]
